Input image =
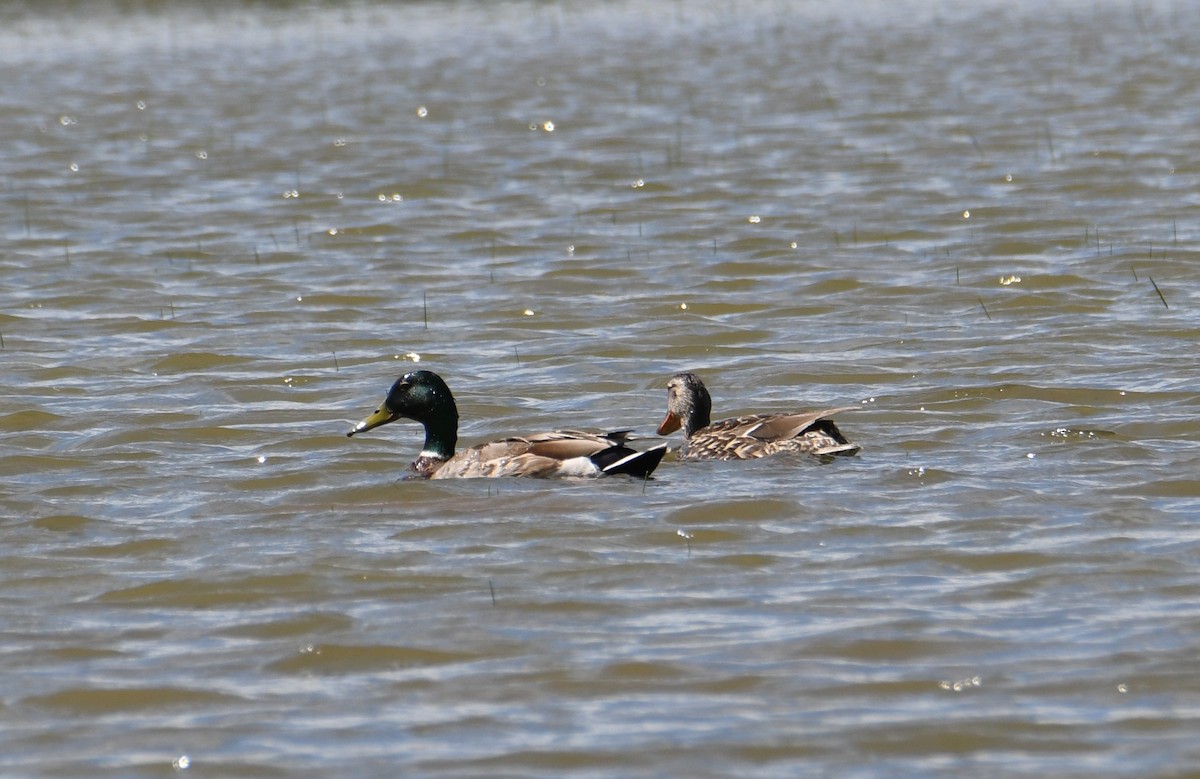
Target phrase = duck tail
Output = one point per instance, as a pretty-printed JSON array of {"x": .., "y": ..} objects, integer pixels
[
  {"x": 622, "y": 459},
  {"x": 838, "y": 444},
  {"x": 839, "y": 450}
]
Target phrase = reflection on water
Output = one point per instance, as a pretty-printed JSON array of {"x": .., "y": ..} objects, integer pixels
[{"x": 227, "y": 232}]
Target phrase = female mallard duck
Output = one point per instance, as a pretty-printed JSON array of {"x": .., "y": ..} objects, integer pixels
[
  {"x": 746, "y": 438},
  {"x": 423, "y": 397}
]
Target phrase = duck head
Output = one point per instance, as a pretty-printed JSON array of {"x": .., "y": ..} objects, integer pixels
[
  {"x": 421, "y": 396},
  {"x": 688, "y": 405}
]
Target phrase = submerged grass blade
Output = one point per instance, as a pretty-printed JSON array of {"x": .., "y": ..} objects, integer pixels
[{"x": 1159, "y": 291}]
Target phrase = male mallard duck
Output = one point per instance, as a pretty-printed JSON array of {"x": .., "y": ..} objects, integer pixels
[
  {"x": 746, "y": 438},
  {"x": 423, "y": 397}
]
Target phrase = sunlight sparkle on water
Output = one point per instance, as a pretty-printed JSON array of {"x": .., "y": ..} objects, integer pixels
[{"x": 961, "y": 684}]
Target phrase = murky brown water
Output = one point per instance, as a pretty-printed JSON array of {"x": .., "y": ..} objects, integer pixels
[{"x": 225, "y": 232}]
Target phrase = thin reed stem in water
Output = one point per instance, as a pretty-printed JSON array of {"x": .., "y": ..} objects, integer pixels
[{"x": 1159, "y": 291}]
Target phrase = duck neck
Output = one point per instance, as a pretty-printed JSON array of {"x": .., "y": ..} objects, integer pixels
[
  {"x": 699, "y": 416},
  {"x": 441, "y": 434},
  {"x": 441, "y": 427},
  {"x": 692, "y": 424}
]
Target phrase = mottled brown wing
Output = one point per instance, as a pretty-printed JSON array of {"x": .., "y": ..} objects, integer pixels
[
  {"x": 566, "y": 444},
  {"x": 761, "y": 435},
  {"x": 781, "y": 427}
]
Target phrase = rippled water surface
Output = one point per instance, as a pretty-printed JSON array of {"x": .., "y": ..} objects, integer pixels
[{"x": 227, "y": 229}]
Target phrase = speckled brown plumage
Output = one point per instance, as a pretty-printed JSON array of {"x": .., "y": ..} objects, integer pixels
[{"x": 748, "y": 437}]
